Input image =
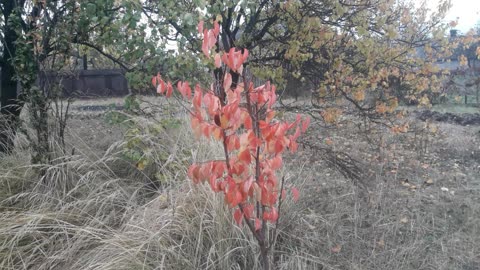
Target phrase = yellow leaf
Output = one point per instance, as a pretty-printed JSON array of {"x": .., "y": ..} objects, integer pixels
[
  {"x": 359, "y": 95},
  {"x": 381, "y": 108},
  {"x": 141, "y": 165},
  {"x": 463, "y": 60},
  {"x": 331, "y": 115}
]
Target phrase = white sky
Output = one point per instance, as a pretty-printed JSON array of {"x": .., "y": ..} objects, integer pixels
[{"x": 468, "y": 12}]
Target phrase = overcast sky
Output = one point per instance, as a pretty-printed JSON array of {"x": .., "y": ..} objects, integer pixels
[{"x": 468, "y": 12}]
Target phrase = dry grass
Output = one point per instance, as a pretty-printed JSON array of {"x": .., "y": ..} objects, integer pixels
[{"x": 96, "y": 210}]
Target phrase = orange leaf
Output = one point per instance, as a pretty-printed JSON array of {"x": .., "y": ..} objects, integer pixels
[
  {"x": 217, "y": 133},
  {"x": 270, "y": 116}
]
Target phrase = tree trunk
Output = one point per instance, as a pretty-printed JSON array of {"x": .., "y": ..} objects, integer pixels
[
  {"x": 264, "y": 257},
  {"x": 10, "y": 106}
]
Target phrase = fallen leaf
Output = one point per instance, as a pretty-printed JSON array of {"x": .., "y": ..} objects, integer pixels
[
  {"x": 429, "y": 181},
  {"x": 405, "y": 183},
  {"x": 381, "y": 243},
  {"x": 404, "y": 220},
  {"x": 328, "y": 141},
  {"x": 336, "y": 249}
]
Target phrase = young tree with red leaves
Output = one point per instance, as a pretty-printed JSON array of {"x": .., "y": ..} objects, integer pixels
[{"x": 253, "y": 140}]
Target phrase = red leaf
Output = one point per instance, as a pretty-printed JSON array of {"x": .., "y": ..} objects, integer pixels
[
  {"x": 245, "y": 156},
  {"x": 247, "y": 185},
  {"x": 276, "y": 162},
  {"x": 212, "y": 38},
  {"x": 219, "y": 168},
  {"x": 213, "y": 183},
  {"x": 216, "y": 28},
  {"x": 227, "y": 81},
  {"x": 238, "y": 215},
  {"x": 184, "y": 89},
  {"x": 293, "y": 146},
  {"x": 248, "y": 210},
  {"x": 154, "y": 80},
  {"x": 197, "y": 98},
  {"x": 271, "y": 215},
  {"x": 274, "y": 214},
  {"x": 205, "y": 48},
  {"x": 247, "y": 122},
  {"x": 169, "y": 89},
  {"x": 193, "y": 173},
  {"x": 161, "y": 86},
  {"x": 295, "y": 194},
  {"x": 279, "y": 147},
  {"x": 218, "y": 60},
  {"x": 258, "y": 224},
  {"x": 234, "y": 59},
  {"x": 305, "y": 124},
  {"x": 233, "y": 142}
]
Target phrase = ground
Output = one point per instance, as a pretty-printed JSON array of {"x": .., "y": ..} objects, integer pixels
[{"x": 370, "y": 199}]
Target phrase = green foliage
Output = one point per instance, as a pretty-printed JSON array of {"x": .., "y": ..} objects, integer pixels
[
  {"x": 142, "y": 150},
  {"x": 131, "y": 103},
  {"x": 363, "y": 56}
]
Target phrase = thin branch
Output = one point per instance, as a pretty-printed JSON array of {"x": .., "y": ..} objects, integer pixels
[{"x": 274, "y": 239}]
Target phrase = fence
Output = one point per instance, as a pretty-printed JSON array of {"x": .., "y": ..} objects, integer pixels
[
  {"x": 86, "y": 83},
  {"x": 89, "y": 83}
]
